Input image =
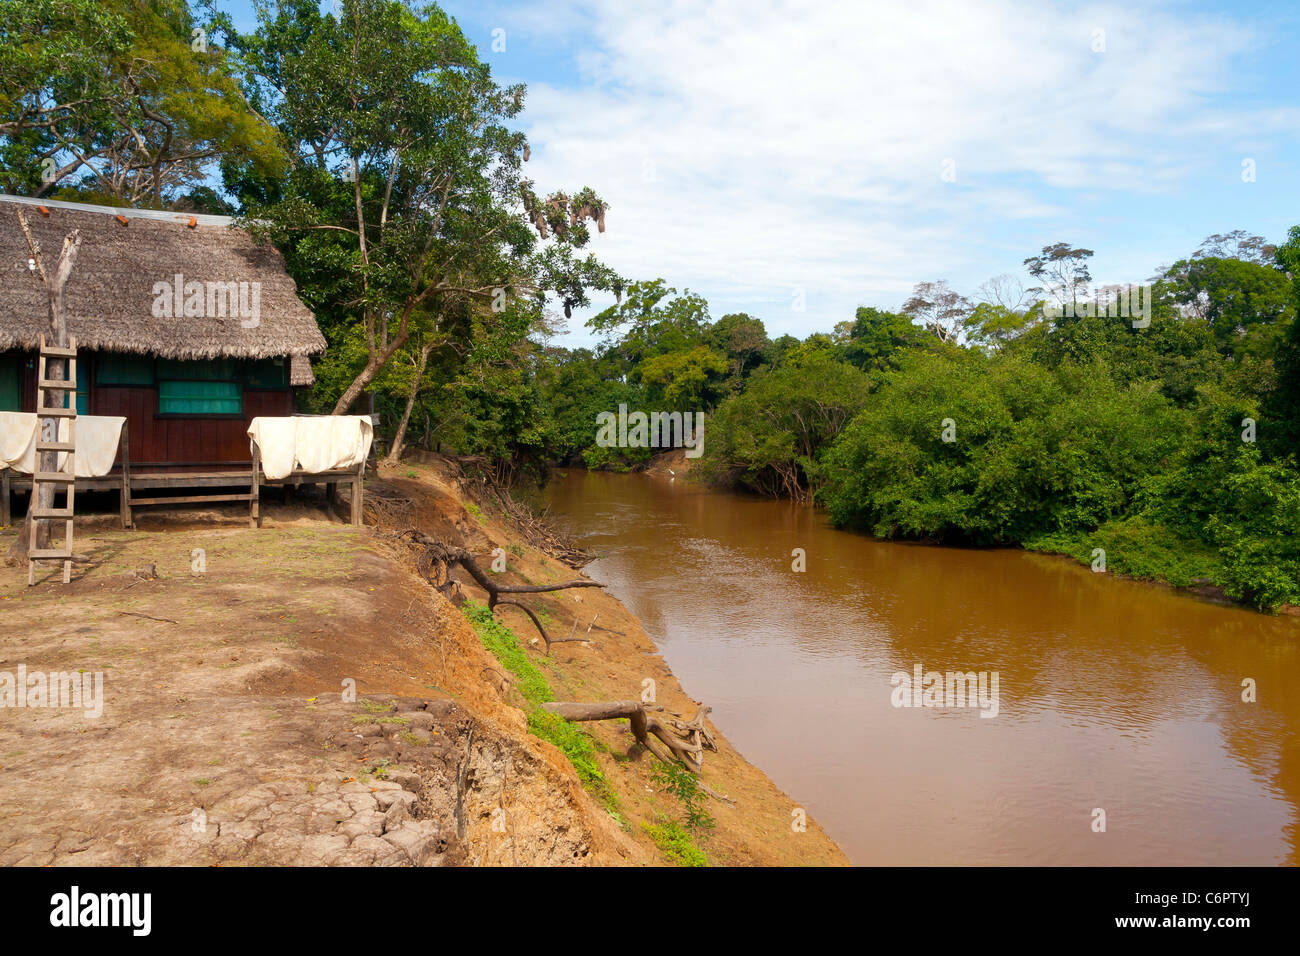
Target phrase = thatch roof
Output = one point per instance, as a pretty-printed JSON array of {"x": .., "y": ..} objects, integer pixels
[
  {"x": 300, "y": 372},
  {"x": 111, "y": 296}
]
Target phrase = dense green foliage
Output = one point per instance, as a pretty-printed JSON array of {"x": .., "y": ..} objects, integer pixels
[
  {"x": 771, "y": 435},
  {"x": 369, "y": 140},
  {"x": 1030, "y": 450},
  {"x": 374, "y": 146},
  {"x": 121, "y": 102},
  {"x": 406, "y": 216},
  {"x": 1167, "y": 441}
]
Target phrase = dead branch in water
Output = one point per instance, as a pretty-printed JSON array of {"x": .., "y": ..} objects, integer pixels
[
  {"x": 684, "y": 740},
  {"x": 438, "y": 558}
]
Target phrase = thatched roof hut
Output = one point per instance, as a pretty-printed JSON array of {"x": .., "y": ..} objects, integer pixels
[
  {"x": 114, "y": 292},
  {"x": 185, "y": 327}
]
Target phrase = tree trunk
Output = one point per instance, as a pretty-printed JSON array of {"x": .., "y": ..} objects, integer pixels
[
  {"x": 48, "y": 427},
  {"x": 377, "y": 360},
  {"x": 395, "y": 453},
  {"x": 353, "y": 391}
]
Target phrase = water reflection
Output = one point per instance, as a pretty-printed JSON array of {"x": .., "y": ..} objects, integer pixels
[{"x": 1113, "y": 694}]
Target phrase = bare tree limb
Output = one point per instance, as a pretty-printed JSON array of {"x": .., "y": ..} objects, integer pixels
[
  {"x": 668, "y": 738},
  {"x": 439, "y": 557}
]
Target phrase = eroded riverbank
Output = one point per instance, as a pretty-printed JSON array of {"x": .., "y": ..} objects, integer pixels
[{"x": 225, "y": 736}]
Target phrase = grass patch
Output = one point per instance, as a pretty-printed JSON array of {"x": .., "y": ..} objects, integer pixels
[
  {"x": 578, "y": 746},
  {"x": 373, "y": 719},
  {"x": 506, "y": 648},
  {"x": 575, "y": 743},
  {"x": 675, "y": 843}
]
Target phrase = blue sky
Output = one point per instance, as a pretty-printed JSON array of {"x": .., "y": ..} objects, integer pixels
[{"x": 768, "y": 153}]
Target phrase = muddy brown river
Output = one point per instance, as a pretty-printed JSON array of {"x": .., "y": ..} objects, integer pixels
[{"x": 1111, "y": 696}]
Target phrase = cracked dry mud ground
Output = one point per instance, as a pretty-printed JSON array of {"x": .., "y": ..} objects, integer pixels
[{"x": 225, "y": 738}]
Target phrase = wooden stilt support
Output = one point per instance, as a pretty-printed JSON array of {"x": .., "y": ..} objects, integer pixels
[
  {"x": 254, "y": 505},
  {"x": 356, "y": 494},
  {"x": 128, "y": 521}
]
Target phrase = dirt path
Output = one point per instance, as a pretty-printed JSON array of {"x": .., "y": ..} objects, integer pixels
[{"x": 225, "y": 737}]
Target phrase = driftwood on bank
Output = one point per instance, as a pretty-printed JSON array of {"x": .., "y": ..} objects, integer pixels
[
  {"x": 665, "y": 737},
  {"x": 438, "y": 558},
  {"x": 482, "y": 482}
]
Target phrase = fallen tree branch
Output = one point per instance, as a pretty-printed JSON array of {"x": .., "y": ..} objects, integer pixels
[
  {"x": 601, "y": 627},
  {"x": 149, "y": 617},
  {"x": 387, "y": 507},
  {"x": 668, "y": 738},
  {"x": 438, "y": 557},
  {"x": 478, "y": 478}
]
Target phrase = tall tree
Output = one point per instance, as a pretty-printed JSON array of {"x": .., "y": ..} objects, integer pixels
[
  {"x": 119, "y": 100},
  {"x": 743, "y": 339},
  {"x": 1247, "y": 304},
  {"x": 875, "y": 337},
  {"x": 1062, "y": 271},
  {"x": 938, "y": 308},
  {"x": 652, "y": 319},
  {"x": 406, "y": 181},
  {"x": 1237, "y": 244}
]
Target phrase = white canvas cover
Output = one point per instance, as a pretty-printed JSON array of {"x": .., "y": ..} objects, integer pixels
[
  {"x": 312, "y": 443},
  {"x": 98, "y": 437}
]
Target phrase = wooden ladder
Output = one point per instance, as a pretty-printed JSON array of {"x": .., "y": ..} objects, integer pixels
[{"x": 66, "y": 388}]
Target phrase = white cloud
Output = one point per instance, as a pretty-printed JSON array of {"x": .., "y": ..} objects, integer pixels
[{"x": 751, "y": 148}]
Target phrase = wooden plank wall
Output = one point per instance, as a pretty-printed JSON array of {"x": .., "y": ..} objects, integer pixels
[
  {"x": 174, "y": 440},
  {"x": 189, "y": 438}
]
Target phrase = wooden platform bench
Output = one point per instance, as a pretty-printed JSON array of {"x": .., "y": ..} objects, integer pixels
[
  {"x": 226, "y": 484},
  {"x": 331, "y": 479},
  {"x": 230, "y": 483}
]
